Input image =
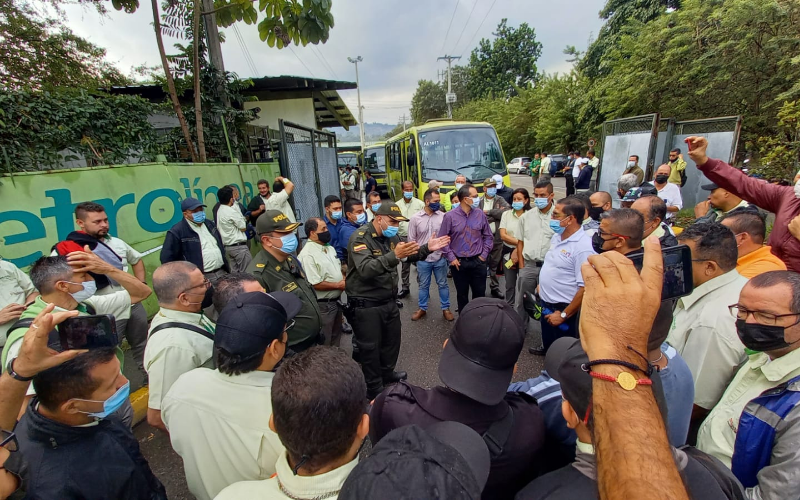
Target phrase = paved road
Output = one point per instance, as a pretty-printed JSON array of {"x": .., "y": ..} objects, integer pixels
[{"x": 419, "y": 356}]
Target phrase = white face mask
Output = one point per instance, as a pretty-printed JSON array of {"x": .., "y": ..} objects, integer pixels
[
  {"x": 631, "y": 164},
  {"x": 89, "y": 289},
  {"x": 797, "y": 189}
]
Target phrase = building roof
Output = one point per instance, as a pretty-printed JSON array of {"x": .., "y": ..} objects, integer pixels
[{"x": 329, "y": 108}]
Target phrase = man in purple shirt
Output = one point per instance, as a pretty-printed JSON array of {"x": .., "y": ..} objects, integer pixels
[
  {"x": 423, "y": 226},
  {"x": 471, "y": 241}
]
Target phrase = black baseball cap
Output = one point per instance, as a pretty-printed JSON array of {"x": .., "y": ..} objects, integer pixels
[
  {"x": 478, "y": 360},
  {"x": 252, "y": 321},
  {"x": 443, "y": 460},
  {"x": 563, "y": 362},
  {"x": 190, "y": 204},
  {"x": 275, "y": 221},
  {"x": 709, "y": 187},
  {"x": 390, "y": 208}
]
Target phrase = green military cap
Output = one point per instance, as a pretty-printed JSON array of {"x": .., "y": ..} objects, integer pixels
[
  {"x": 274, "y": 221},
  {"x": 390, "y": 208}
]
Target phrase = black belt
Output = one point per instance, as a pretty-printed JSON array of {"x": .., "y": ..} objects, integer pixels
[
  {"x": 328, "y": 300},
  {"x": 466, "y": 258},
  {"x": 237, "y": 244},
  {"x": 366, "y": 303},
  {"x": 214, "y": 271},
  {"x": 538, "y": 263}
]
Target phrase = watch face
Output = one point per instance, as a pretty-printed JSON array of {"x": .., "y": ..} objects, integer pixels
[{"x": 564, "y": 315}]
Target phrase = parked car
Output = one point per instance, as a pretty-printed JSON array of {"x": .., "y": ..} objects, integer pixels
[
  {"x": 519, "y": 165},
  {"x": 557, "y": 164}
]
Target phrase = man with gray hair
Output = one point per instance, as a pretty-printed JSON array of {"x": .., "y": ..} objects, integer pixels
[
  {"x": 181, "y": 338},
  {"x": 625, "y": 183}
]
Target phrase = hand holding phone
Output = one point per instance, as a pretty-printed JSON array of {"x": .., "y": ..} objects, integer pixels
[
  {"x": 88, "y": 332},
  {"x": 677, "y": 271}
]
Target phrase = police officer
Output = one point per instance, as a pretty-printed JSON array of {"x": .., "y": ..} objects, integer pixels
[
  {"x": 276, "y": 270},
  {"x": 374, "y": 253}
]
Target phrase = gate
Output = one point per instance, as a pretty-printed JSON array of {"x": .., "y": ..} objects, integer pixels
[
  {"x": 622, "y": 138},
  {"x": 308, "y": 158}
]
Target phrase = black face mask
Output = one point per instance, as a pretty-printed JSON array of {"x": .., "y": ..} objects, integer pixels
[
  {"x": 761, "y": 338},
  {"x": 597, "y": 243},
  {"x": 324, "y": 238},
  {"x": 595, "y": 213},
  {"x": 207, "y": 298},
  {"x": 661, "y": 179}
]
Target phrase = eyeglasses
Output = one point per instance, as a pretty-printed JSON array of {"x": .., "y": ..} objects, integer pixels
[
  {"x": 763, "y": 318},
  {"x": 9, "y": 440},
  {"x": 603, "y": 233},
  {"x": 205, "y": 283}
]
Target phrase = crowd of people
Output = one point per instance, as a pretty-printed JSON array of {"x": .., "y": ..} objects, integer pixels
[{"x": 695, "y": 396}]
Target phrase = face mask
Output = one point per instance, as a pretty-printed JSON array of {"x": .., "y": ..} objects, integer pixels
[
  {"x": 631, "y": 164},
  {"x": 797, "y": 189},
  {"x": 198, "y": 217},
  {"x": 595, "y": 213},
  {"x": 408, "y": 195},
  {"x": 111, "y": 404},
  {"x": 661, "y": 178},
  {"x": 459, "y": 185},
  {"x": 555, "y": 225},
  {"x": 435, "y": 207},
  {"x": 761, "y": 338},
  {"x": 491, "y": 192},
  {"x": 324, "y": 238},
  {"x": 390, "y": 231},
  {"x": 541, "y": 202},
  {"x": 362, "y": 218},
  {"x": 518, "y": 205},
  {"x": 336, "y": 215},
  {"x": 375, "y": 207},
  {"x": 288, "y": 243},
  {"x": 89, "y": 289},
  {"x": 597, "y": 243},
  {"x": 476, "y": 202}
]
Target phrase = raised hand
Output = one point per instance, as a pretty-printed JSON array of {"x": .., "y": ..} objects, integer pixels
[
  {"x": 34, "y": 355},
  {"x": 88, "y": 261},
  {"x": 697, "y": 149}
]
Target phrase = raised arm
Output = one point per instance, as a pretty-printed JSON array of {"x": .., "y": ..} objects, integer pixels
[{"x": 88, "y": 261}]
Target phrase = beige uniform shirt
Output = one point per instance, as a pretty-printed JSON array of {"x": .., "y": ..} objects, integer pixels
[
  {"x": 212, "y": 257},
  {"x": 321, "y": 264},
  {"x": 280, "y": 202},
  {"x": 174, "y": 351},
  {"x": 15, "y": 287},
  {"x": 408, "y": 210},
  {"x": 219, "y": 425},
  {"x": 512, "y": 224},
  {"x": 535, "y": 232},
  {"x": 704, "y": 333},
  {"x": 231, "y": 225}
]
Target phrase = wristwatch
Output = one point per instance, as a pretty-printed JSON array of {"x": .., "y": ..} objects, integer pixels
[
  {"x": 563, "y": 315},
  {"x": 15, "y": 375}
]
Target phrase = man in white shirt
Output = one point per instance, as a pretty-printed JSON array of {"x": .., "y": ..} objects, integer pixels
[
  {"x": 324, "y": 273},
  {"x": 232, "y": 228},
  {"x": 258, "y": 205},
  {"x": 703, "y": 331},
  {"x": 322, "y": 423},
  {"x": 409, "y": 205},
  {"x": 279, "y": 199},
  {"x": 667, "y": 191},
  {"x": 544, "y": 169},
  {"x": 181, "y": 336},
  {"x": 535, "y": 235},
  {"x": 218, "y": 420},
  {"x": 348, "y": 183},
  {"x": 16, "y": 292}
]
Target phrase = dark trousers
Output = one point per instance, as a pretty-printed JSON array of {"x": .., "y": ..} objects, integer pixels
[
  {"x": 135, "y": 330},
  {"x": 471, "y": 275},
  {"x": 331, "y": 315},
  {"x": 376, "y": 333},
  {"x": 570, "y": 183},
  {"x": 551, "y": 333},
  {"x": 495, "y": 256}
]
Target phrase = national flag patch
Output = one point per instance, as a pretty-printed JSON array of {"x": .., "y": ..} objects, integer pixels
[{"x": 359, "y": 248}]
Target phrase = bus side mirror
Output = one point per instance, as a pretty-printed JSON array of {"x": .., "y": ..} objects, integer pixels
[{"x": 411, "y": 158}]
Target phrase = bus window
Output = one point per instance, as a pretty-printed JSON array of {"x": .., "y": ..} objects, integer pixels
[
  {"x": 375, "y": 160},
  {"x": 473, "y": 152}
]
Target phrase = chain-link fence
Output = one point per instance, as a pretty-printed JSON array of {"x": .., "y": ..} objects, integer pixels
[
  {"x": 708, "y": 126},
  {"x": 623, "y": 138}
]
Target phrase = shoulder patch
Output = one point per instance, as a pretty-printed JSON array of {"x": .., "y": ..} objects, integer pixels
[
  {"x": 361, "y": 233},
  {"x": 277, "y": 268},
  {"x": 290, "y": 287},
  {"x": 261, "y": 265},
  {"x": 359, "y": 248},
  {"x": 377, "y": 252}
]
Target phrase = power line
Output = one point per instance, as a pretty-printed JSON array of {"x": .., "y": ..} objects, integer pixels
[
  {"x": 301, "y": 61},
  {"x": 245, "y": 52},
  {"x": 320, "y": 60},
  {"x": 448, "y": 26},
  {"x": 479, "y": 27},
  {"x": 325, "y": 62},
  {"x": 465, "y": 25}
]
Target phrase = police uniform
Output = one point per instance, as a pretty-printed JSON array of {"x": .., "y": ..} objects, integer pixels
[
  {"x": 371, "y": 287},
  {"x": 287, "y": 276}
]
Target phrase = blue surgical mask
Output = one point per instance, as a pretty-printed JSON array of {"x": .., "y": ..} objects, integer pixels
[
  {"x": 361, "y": 218},
  {"x": 89, "y": 289},
  {"x": 111, "y": 404},
  {"x": 288, "y": 243},
  {"x": 336, "y": 215},
  {"x": 435, "y": 206},
  {"x": 541, "y": 202},
  {"x": 459, "y": 185},
  {"x": 199, "y": 217},
  {"x": 390, "y": 231},
  {"x": 375, "y": 207},
  {"x": 476, "y": 202},
  {"x": 555, "y": 225},
  {"x": 518, "y": 205},
  {"x": 408, "y": 195},
  {"x": 491, "y": 192}
]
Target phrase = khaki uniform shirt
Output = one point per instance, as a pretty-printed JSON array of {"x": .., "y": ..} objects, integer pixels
[
  {"x": 408, "y": 210},
  {"x": 321, "y": 265},
  {"x": 212, "y": 257},
  {"x": 535, "y": 233},
  {"x": 15, "y": 287},
  {"x": 231, "y": 225}
]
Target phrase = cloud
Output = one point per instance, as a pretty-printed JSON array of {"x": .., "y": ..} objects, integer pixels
[{"x": 399, "y": 42}]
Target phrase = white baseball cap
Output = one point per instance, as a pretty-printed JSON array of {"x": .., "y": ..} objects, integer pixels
[{"x": 498, "y": 179}]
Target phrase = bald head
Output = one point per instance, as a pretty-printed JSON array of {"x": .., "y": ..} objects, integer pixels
[
  {"x": 601, "y": 199},
  {"x": 663, "y": 170},
  {"x": 172, "y": 279}
]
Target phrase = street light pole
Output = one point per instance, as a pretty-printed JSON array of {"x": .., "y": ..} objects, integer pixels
[
  {"x": 360, "y": 107},
  {"x": 450, "y": 97}
]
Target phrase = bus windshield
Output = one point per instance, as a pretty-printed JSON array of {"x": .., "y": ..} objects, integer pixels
[
  {"x": 472, "y": 152},
  {"x": 375, "y": 160},
  {"x": 346, "y": 159}
]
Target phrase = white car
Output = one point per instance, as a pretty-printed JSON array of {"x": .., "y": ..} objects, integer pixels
[{"x": 518, "y": 165}]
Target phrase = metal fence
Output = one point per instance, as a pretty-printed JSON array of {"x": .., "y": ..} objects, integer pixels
[
  {"x": 621, "y": 139},
  {"x": 308, "y": 158}
]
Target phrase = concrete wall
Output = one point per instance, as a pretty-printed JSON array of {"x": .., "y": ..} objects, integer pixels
[{"x": 300, "y": 111}]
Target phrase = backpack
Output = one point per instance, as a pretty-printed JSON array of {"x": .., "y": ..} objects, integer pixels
[
  {"x": 186, "y": 326},
  {"x": 683, "y": 177}
]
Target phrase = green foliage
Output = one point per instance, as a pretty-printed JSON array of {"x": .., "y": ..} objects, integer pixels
[
  {"x": 501, "y": 66},
  {"x": 780, "y": 153},
  {"x": 399, "y": 128},
  {"x": 428, "y": 102},
  {"x": 36, "y": 125},
  {"x": 42, "y": 53}
]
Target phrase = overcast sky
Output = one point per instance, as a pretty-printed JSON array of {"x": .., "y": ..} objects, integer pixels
[{"x": 399, "y": 42}]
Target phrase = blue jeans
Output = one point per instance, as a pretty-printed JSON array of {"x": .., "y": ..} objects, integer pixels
[{"x": 439, "y": 270}]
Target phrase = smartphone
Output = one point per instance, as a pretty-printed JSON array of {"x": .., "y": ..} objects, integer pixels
[
  {"x": 677, "y": 271},
  {"x": 88, "y": 332}
]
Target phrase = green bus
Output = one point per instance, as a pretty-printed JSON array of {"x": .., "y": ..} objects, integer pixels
[{"x": 375, "y": 164}]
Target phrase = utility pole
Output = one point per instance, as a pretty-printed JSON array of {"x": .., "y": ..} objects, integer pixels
[
  {"x": 451, "y": 97},
  {"x": 404, "y": 121},
  {"x": 355, "y": 61}
]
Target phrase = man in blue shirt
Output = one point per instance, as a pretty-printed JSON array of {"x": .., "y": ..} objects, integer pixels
[
  {"x": 333, "y": 219},
  {"x": 370, "y": 184},
  {"x": 354, "y": 217}
]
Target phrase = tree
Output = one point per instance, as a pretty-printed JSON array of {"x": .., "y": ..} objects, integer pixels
[
  {"x": 428, "y": 102},
  {"x": 399, "y": 128},
  {"x": 40, "y": 52},
  {"x": 500, "y": 67}
]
